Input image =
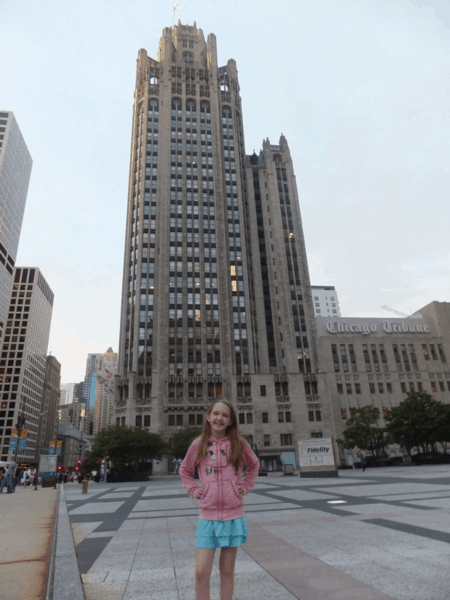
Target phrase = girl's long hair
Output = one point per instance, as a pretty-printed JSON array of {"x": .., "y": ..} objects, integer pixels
[{"x": 232, "y": 431}]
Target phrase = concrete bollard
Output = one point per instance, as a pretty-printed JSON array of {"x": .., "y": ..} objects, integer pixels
[{"x": 84, "y": 486}]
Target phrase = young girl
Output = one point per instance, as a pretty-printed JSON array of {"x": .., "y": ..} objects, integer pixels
[{"x": 219, "y": 453}]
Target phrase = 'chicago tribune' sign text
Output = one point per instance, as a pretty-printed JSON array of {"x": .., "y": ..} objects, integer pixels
[{"x": 366, "y": 328}]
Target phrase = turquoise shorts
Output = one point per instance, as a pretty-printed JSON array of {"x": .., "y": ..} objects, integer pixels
[{"x": 221, "y": 534}]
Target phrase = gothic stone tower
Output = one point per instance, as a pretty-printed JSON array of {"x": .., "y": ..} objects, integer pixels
[{"x": 216, "y": 299}]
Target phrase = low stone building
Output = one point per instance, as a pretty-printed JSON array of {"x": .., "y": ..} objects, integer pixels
[{"x": 378, "y": 361}]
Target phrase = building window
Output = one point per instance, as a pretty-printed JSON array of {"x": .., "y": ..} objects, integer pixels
[
  {"x": 146, "y": 420},
  {"x": 425, "y": 352},
  {"x": 265, "y": 417},
  {"x": 441, "y": 386},
  {"x": 433, "y": 352},
  {"x": 179, "y": 420},
  {"x": 171, "y": 420},
  {"x": 318, "y": 415},
  {"x": 311, "y": 415},
  {"x": 389, "y": 387},
  {"x": 241, "y": 418},
  {"x": 441, "y": 353},
  {"x": 349, "y": 388},
  {"x": 288, "y": 417},
  {"x": 199, "y": 419},
  {"x": 380, "y": 388},
  {"x": 433, "y": 386},
  {"x": 403, "y": 386},
  {"x": 372, "y": 388},
  {"x": 138, "y": 420},
  {"x": 340, "y": 388},
  {"x": 123, "y": 422},
  {"x": 420, "y": 387},
  {"x": 280, "y": 417},
  {"x": 249, "y": 418},
  {"x": 267, "y": 440},
  {"x": 357, "y": 388},
  {"x": 286, "y": 439},
  {"x": 343, "y": 413},
  {"x": 263, "y": 390},
  {"x": 385, "y": 411},
  {"x": 316, "y": 434},
  {"x": 411, "y": 386},
  {"x": 191, "y": 420}
]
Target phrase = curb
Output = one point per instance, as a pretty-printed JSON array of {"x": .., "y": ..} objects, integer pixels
[{"x": 66, "y": 582}]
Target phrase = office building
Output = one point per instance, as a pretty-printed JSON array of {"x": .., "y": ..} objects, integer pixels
[
  {"x": 15, "y": 172},
  {"x": 376, "y": 362},
  {"x": 104, "y": 395},
  {"x": 24, "y": 358},
  {"x": 90, "y": 381},
  {"x": 216, "y": 298},
  {"x": 326, "y": 303},
  {"x": 67, "y": 393},
  {"x": 51, "y": 394}
]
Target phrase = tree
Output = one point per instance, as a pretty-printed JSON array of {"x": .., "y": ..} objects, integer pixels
[
  {"x": 126, "y": 446},
  {"x": 183, "y": 439},
  {"x": 419, "y": 421},
  {"x": 362, "y": 431}
]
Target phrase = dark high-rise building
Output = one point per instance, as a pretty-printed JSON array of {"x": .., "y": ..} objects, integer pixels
[
  {"x": 15, "y": 172},
  {"x": 23, "y": 361},
  {"x": 51, "y": 395},
  {"x": 216, "y": 299}
]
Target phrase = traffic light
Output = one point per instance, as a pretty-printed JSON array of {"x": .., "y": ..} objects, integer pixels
[
  {"x": 59, "y": 468},
  {"x": 77, "y": 468}
]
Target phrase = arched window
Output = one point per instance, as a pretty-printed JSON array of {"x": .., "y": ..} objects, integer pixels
[
  {"x": 153, "y": 105},
  {"x": 226, "y": 113},
  {"x": 205, "y": 108},
  {"x": 190, "y": 106},
  {"x": 176, "y": 104}
]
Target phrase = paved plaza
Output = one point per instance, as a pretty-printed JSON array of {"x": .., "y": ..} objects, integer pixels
[{"x": 376, "y": 535}]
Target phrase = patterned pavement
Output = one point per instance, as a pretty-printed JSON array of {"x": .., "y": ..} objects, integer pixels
[{"x": 376, "y": 535}]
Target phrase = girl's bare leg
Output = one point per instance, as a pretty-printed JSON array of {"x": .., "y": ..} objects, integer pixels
[
  {"x": 226, "y": 567},
  {"x": 204, "y": 563}
]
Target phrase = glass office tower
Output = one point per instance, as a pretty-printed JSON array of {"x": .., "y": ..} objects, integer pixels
[{"x": 15, "y": 172}]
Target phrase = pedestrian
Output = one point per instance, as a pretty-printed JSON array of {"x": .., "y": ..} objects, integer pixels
[
  {"x": 178, "y": 462},
  {"x": 10, "y": 476},
  {"x": 219, "y": 453},
  {"x": 2, "y": 480}
]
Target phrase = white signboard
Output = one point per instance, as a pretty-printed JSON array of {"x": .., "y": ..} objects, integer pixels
[{"x": 316, "y": 452}]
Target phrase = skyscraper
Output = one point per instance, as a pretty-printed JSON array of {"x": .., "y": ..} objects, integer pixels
[
  {"x": 216, "y": 299},
  {"x": 24, "y": 359},
  {"x": 15, "y": 172},
  {"x": 104, "y": 394}
]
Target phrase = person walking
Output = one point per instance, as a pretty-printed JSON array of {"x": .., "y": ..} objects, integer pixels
[
  {"x": 178, "y": 462},
  {"x": 219, "y": 453}
]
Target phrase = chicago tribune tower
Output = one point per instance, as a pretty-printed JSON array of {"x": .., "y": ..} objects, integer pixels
[{"x": 216, "y": 298}]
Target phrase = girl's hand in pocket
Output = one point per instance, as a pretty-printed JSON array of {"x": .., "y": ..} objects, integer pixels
[{"x": 200, "y": 493}]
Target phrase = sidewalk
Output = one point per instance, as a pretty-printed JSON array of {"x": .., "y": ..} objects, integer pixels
[{"x": 27, "y": 529}]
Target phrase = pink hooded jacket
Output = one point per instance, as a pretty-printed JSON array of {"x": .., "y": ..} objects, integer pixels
[{"x": 221, "y": 500}]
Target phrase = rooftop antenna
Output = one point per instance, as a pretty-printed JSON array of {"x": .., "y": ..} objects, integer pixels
[{"x": 176, "y": 8}]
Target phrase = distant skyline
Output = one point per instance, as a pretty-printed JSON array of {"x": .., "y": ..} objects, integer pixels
[{"x": 359, "y": 88}]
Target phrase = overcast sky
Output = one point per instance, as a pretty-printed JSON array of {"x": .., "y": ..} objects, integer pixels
[{"x": 360, "y": 89}]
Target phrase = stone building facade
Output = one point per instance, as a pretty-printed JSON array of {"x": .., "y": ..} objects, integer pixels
[
  {"x": 51, "y": 396},
  {"x": 377, "y": 362},
  {"x": 216, "y": 299}
]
